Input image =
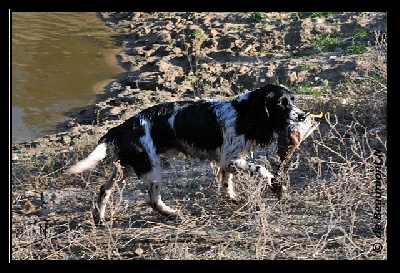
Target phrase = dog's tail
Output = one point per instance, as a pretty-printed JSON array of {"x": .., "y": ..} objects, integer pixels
[{"x": 92, "y": 160}]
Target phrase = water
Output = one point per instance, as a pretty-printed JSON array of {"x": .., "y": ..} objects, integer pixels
[{"x": 60, "y": 62}]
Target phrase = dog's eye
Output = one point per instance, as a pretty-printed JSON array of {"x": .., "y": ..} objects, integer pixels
[{"x": 283, "y": 102}]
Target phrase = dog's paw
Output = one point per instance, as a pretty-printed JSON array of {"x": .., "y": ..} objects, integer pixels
[
  {"x": 163, "y": 209},
  {"x": 98, "y": 221},
  {"x": 234, "y": 198},
  {"x": 278, "y": 189},
  {"x": 174, "y": 215},
  {"x": 171, "y": 215}
]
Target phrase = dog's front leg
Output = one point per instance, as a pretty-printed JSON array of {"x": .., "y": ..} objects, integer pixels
[
  {"x": 252, "y": 168},
  {"x": 225, "y": 177}
]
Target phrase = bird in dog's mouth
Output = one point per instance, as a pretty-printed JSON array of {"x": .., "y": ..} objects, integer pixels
[{"x": 289, "y": 141}]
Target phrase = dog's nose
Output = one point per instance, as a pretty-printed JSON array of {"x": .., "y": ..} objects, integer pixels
[{"x": 301, "y": 116}]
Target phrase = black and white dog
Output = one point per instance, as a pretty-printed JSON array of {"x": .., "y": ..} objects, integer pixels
[{"x": 222, "y": 131}]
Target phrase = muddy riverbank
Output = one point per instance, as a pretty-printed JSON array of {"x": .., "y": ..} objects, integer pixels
[{"x": 333, "y": 62}]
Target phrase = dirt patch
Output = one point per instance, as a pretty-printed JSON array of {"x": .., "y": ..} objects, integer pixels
[{"x": 334, "y": 62}]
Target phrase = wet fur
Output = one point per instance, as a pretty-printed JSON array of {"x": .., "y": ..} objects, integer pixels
[{"x": 225, "y": 132}]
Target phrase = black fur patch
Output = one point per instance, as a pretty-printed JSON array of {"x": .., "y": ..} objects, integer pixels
[
  {"x": 262, "y": 113},
  {"x": 126, "y": 137},
  {"x": 161, "y": 132},
  {"x": 196, "y": 130},
  {"x": 196, "y": 125}
]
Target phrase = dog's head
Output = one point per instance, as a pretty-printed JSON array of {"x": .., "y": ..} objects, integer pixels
[
  {"x": 270, "y": 111},
  {"x": 279, "y": 107},
  {"x": 290, "y": 123}
]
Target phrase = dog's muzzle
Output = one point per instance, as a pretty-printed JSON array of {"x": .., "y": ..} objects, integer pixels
[{"x": 302, "y": 116}]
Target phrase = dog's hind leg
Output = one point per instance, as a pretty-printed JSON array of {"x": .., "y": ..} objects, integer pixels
[
  {"x": 119, "y": 173},
  {"x": 153, "y": 180}
]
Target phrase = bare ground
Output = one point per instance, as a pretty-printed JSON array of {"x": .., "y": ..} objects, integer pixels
[{"x": 336, "y": 63}]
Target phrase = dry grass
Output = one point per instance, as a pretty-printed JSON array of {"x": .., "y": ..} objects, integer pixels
[{"x": 328, "y": 212}]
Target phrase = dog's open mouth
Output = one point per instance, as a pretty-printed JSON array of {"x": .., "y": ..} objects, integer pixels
[{"x": 289, "y": 140}]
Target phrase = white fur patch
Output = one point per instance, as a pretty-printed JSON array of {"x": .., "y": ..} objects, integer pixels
[
  {"x": 233, "y": 146},
  {"x": 171, "y": 119},
  {"x": 154, "y": 176},
  {"x": 294, "y": 113},
  {"x": 242, "y": 97},
  {"x": 147, "y": 142},
  {"x": 91, "y": 161}
]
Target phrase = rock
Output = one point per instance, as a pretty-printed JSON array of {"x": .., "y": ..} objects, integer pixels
[
  {"x": 27, "y": 208},
  {"x": 139, "y": 251}
]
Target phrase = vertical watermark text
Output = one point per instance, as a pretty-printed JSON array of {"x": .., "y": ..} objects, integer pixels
[{"x": 377, "y": 226}]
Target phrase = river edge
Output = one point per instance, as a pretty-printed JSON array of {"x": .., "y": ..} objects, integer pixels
[{"x": 62, "y": 61}]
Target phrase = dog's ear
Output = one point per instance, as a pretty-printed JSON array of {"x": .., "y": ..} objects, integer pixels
[{"x": 258, "y": 121}]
